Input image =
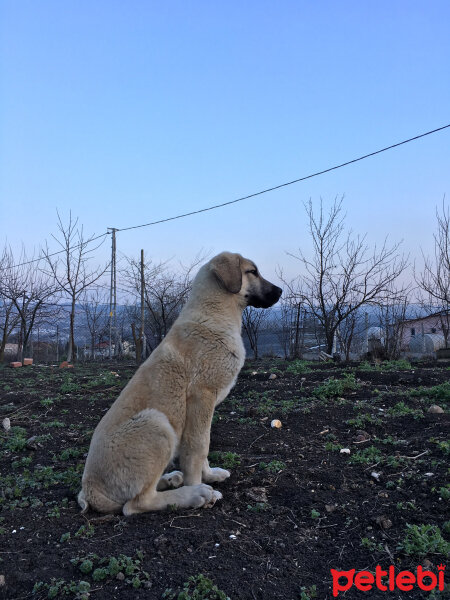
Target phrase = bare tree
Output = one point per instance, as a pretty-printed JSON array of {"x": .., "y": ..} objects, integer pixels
[
  {"x": 347, "y": 332},
  {"x": 9, "y": 318},
  {"x": 32, "y": 295},
  {"x": 434, "y": 279},
  {"x": 165, "y": 293},
  {"x": 282, "y": 326},
  {"x": 343, "y": 274},
  {"x": 291, "y": 332},
  {"x": 253, "y": 321},
  {"x": 391, "y": 316},
  {"x": 72, "y": 272},
  {"x": 95, "y": 306}
]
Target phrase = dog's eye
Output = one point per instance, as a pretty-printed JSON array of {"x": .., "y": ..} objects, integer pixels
[{"x": 253, "y": 272}]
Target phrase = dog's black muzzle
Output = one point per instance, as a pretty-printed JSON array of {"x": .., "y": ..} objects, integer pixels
[{"x": 267, "y": 298}]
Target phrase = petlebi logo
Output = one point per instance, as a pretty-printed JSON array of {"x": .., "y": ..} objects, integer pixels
[{"x": 388, "y": 579}]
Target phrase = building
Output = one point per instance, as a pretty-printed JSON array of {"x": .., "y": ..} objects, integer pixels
[{"x": 426, "y": 334}]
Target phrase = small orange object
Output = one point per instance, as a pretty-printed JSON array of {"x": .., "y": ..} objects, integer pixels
[
  {"x": 15, "y": 365},
  {"x": 27, "y": 362},
  {"x": 64, "y": 364}
]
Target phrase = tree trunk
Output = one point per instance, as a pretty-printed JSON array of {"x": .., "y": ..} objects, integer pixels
[{"x": 71, "y": 353}]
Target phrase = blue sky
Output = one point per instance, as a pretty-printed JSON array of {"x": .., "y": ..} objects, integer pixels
[{"x": 126, "y": 113}]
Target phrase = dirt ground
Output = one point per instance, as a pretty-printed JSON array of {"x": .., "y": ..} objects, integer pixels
[{"x": 294, "y": 507}]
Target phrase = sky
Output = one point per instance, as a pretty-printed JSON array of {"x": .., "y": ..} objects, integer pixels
[{"x": 126, "y": 113}]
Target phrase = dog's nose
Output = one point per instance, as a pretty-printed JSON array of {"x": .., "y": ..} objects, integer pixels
[{"x": 278, "y": 290}]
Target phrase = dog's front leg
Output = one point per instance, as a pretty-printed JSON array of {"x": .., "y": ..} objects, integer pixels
[
  {"x": 194, "y": 446},
  {"x": 214, "y": 474}
]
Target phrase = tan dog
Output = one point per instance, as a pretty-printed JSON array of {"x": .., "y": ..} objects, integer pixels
[{"x": 167, "y": 407}]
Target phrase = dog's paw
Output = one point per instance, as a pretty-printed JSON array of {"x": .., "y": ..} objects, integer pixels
[
  {"x": 216, "y": 475},
  {"x": 204, "y": 496},
  {"x": 215, "y": 496},
  {"x": 171, "y": 480},
  {"x": 174, "y": 479}
]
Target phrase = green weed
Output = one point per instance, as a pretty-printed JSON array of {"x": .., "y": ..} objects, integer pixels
[
  {"x": 227, "y": 460},
  {"x": 110, "y": 566},
  {"x": 273, "y": 467},
  {"x": 332, "y": 387},
  {"x": 401, "y": 410},
  {"x": 258, "y": 507},
  {"x": 197, "y": 587},
  {"x": 422, "y": 540},
  {"x": 367, "y": 456},
  {"x": 59, "y": 587},
  {"x": 298, "y": 367}
]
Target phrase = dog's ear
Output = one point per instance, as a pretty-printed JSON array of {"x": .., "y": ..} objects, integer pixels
[{"x": 227, "y": 268}]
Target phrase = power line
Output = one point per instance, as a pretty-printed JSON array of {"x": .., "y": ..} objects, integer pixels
[
  {"x": 29, "y": 262},
  {"x": 271, "y": 189},
  {"x": 277, "y": 187}
]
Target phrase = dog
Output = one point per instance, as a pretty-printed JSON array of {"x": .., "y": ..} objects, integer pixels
[{"x": 167, "y": 407}]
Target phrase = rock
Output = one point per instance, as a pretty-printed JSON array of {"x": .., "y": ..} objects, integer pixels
[
  {"x": 272, "y": 376},
  {"x": 120, "y": 576},
  {"x": 32, "y": 444},
  {"x": 258, "y": 494},
  {"x": 160, "y": 541},
  {"x": 435, "y": 409},
  {"x": 6, "y": 424},
  {"x": 330, "y": 507},
  {"x": 383, "y": 522},
  {"x": 376, "y": 475},
  {"x": 362, "y": 436},
  {"x": 345, "y": 451},
  {"x": 2, "y": 580},
  {"x": 276, "y": 423}
]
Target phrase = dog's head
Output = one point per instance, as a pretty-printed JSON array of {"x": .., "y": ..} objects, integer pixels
[{"x": 240, "y": 276}]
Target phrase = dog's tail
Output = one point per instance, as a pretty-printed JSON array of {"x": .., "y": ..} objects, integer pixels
[
  {"x": 97, "y": 501},
  {"x": 84, "y": 504}
]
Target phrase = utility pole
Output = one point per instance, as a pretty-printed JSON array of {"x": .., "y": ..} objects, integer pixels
[
  {"x": 366, "y": 333},
  {"x": 141, "y": 333},
  {"x": 57, "y": 343},
  {"x": 112, "y": 292}
]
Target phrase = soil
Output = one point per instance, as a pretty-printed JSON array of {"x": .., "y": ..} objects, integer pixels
[{"x": 294, "y": 507}]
